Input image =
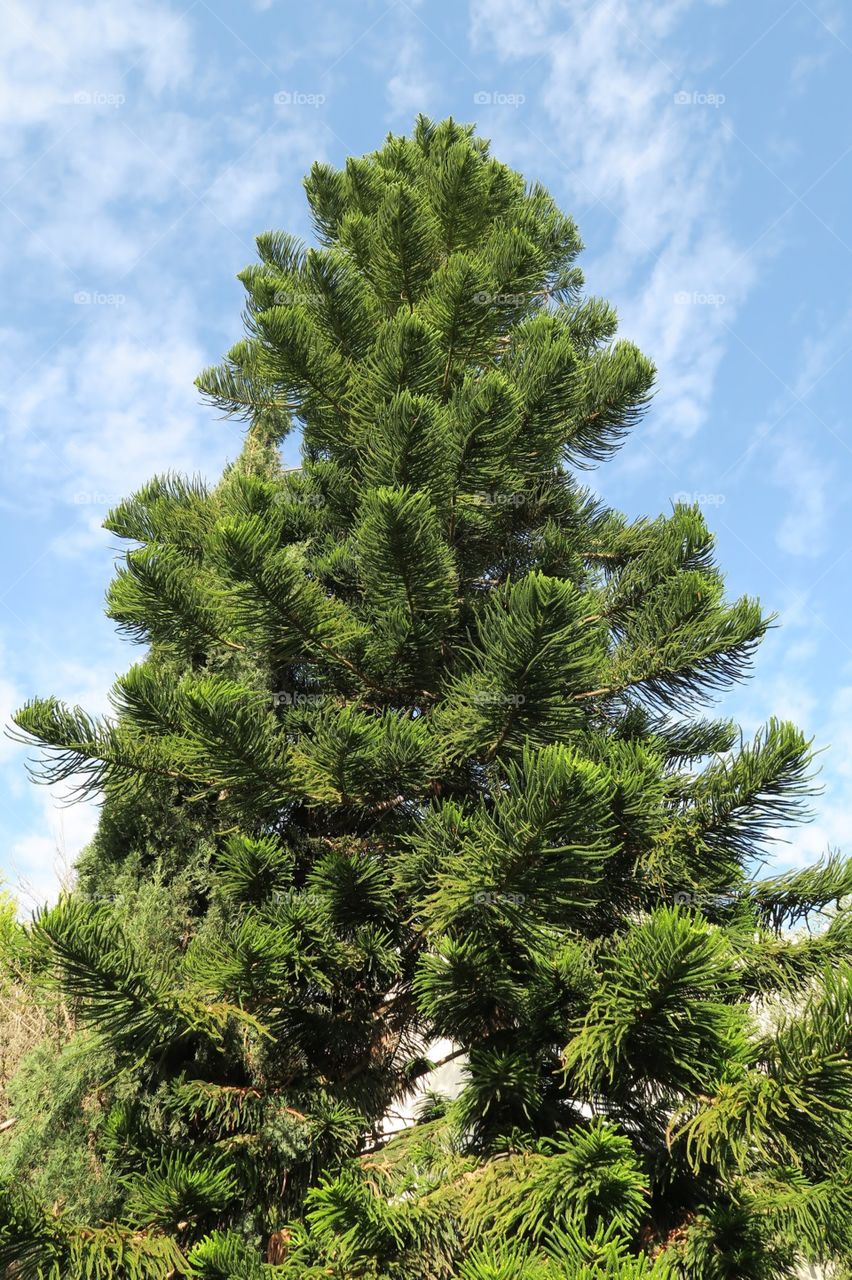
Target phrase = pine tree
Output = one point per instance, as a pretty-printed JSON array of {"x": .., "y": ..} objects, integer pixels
[{"x": 419, "y": 742}]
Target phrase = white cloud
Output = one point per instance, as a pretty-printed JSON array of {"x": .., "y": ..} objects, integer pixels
[
  {"x": 99, "y": 205},
  {"x": 515, "y": 27},
  {"x": 52, "y": 51},
  {"x": 830, "y": 828},
  {"x": 38, "y": 860},
  {"x": 806, "y": 66},
  {"x": 111, "y": 405},
  {"x": 11, "y": 699},
  {"x": 824, "y": 349},
  {"x": 104, "y": 161},
  {"x": 39, "y": 864},
  {"x": 807, "y": 483},
  {"x": 830, "y": 14},
  {"x": 273, "y": 146},
  {"x": 787, "y": 686},
  {"x": 410, "y": 89},
  {"x": 609, "y": 76}
]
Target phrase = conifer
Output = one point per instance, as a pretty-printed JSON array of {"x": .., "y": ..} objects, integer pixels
[{"x": 419, "y": 750}]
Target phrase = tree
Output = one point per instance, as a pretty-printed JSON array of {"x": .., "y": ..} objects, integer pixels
[{"x": 425, "y": 722}]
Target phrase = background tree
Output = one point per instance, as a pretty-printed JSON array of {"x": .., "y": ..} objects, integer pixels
[{"x": 416, "y": 751}]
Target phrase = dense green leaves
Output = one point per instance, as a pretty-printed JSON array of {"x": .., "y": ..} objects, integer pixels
[
  {"x": 663, "y": 1015},
  {"x": 411, "y": 769}
]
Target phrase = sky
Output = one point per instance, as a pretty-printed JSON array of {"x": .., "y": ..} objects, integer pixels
[{"x": 704, "y": 148}]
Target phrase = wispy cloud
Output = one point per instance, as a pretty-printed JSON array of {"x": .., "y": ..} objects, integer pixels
[
  {"x": 39, "y": 858},
  {"x": 642, "y": 137},
  {"x": 807, "y": 485},
  {"x": 411, "y": 88},
  {"x": 110, "y": 404},
  {"x": 54, "y": 52}
]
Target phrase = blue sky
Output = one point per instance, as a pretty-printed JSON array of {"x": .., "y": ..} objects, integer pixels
[{"x": 704, "y": 148}]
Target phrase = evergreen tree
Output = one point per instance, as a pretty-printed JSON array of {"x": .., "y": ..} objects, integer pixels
[{"x": 417, "y": 751}]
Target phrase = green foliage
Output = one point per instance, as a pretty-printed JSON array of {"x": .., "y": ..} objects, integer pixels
[
  {"x": 35, "y": 1245},
  {"x": 182, "y": 1192},
  {"x": 10, "y": 932},
  {"x": 225, "y": 1256},
  {"x": 57, "y": 1101},
  {"x": 586, "y": 1179},
  {"x": 418, "y": 749},
  {"x": 663, "y": 1014}
]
